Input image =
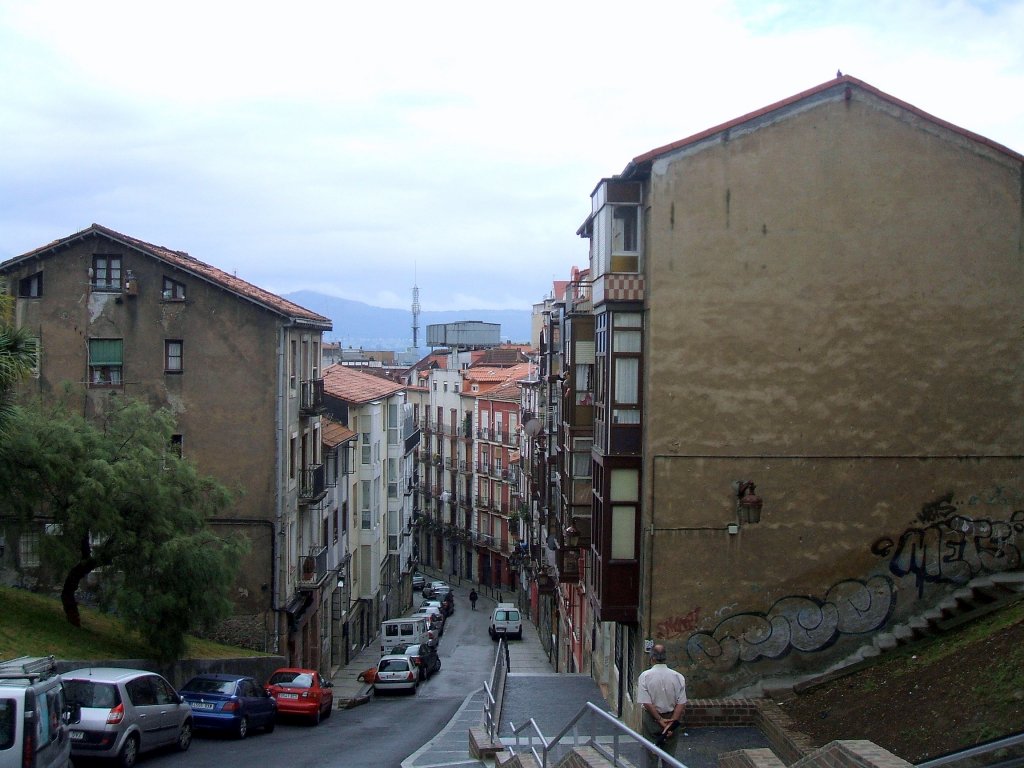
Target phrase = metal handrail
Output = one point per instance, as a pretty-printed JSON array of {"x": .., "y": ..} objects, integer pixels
[
  {"x": 494, "y": 690},
  {"x": 1014, "y": 740},
  {"x": 613, "y": 755}
]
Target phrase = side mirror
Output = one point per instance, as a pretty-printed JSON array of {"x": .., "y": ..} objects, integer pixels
[{"x": 328, "y": 683}]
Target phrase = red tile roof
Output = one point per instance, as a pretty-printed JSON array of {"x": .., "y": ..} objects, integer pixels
[
  {"x": 333, "y": 434},
  {"x": 204, "y": 271},
  {"x": 355, "y": 386},
  {"x": 839, "y": 83}
]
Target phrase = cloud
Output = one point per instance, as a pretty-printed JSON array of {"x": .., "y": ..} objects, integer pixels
[{"x": 454, "y": 145}]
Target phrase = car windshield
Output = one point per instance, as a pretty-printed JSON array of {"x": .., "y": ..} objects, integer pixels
[
  {"x": 394, "y": 665},
  {"x": 86, "y": 693},
  {"x": 206, "y": 685},
  {"x": 292, "y": 679}
]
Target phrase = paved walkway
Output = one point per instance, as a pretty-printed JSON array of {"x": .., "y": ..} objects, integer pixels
[{"x": 532, "y": 691}]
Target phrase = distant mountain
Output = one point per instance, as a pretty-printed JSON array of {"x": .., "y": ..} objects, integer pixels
[{"x": 360, "y": 325}]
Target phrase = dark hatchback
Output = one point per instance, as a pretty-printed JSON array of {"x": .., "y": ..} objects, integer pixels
[{"x": 230, "y": 703}]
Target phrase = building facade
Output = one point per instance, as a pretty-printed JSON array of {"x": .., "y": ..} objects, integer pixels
[
  {"x": 116, "y": 315},
  {"x": 808, "y": 407}
]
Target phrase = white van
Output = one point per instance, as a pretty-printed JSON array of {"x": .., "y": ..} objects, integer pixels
[
  {"x": 33, "y": 720},
  {"x": 506, "y": 621},
  {"x": 402, "y": 631}
]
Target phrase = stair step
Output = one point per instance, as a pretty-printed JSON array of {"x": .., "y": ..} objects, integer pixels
[
  {"x": 1010, "y": 579},
  {"x": 885, "y": 641},
  {"x": 902, "y": 632}
]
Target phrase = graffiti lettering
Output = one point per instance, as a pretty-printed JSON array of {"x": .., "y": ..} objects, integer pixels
[
  {"x": 954, "y": 550},
  {"x": 939, "y": 509},
  {"x": 677, "y": 626},
  {"x": 795, "y": 623}
]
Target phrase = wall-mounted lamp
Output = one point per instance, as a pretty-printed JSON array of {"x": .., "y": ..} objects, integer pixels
[
  {"x": 572, "y": 537},
  {"x": 733, "y": 528},
  {"x": 748, "y": 504}
]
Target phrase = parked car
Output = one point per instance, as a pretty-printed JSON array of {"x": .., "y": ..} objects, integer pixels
[
  {"x": 418, "y": 581},
  {"x": 232, "y": 703},
  {"x": 396, "y": 672},
  {"x": 435, "y": 617},
  {"x": 506, "y": 621},
  {"x": 423, "y": 656},
  {"x": 434, "y": 586},
  {"x": 122, "y": 713},
  {"x": 33, "y": 719},
  {"x": 435, "y": 604},
  {"x": 302, "y": 692}
]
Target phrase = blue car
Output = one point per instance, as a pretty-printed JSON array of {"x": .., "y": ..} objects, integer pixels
[{"x": 231, "y": 703}]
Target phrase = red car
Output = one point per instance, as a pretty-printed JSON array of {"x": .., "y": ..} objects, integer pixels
[{"x": 301, "y": 692}]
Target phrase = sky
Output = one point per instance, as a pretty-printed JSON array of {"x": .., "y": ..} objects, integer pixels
[{"x": 359, "y": 149}]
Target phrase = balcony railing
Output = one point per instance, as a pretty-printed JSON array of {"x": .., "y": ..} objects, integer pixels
[
  {"x": 313, "y": 568},
  {"x": 311, "y": 396},
  {"x": 312, "y": 484}
]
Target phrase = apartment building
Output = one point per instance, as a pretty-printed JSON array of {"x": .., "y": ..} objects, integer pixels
[
  {"x": 380, "y": 559},
  {"x": 807, "y": 393},
  {"x": 117, "y": 315}
]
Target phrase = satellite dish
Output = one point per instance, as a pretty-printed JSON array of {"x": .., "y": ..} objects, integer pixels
[{"x": 533, "y": 427}]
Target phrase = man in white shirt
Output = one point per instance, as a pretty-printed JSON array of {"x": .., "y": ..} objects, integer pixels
[{"x": 661, "y": 691}]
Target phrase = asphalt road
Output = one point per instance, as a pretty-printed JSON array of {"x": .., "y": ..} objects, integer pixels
[{"x": 379, "y": 734}]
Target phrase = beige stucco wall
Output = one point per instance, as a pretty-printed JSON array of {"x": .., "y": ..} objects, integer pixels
[{"x": 836, "y": 302}]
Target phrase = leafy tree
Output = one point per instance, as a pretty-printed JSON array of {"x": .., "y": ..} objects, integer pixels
[
  {"x": 122, "y": 502},
  {"x": 17, "y": 355}
]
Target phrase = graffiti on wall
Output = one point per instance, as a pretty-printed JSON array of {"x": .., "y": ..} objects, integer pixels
[
  {"x": 677, "y": 626},
  {"x": 795, "y": 623},
  {"x": 955, "y": 549}
]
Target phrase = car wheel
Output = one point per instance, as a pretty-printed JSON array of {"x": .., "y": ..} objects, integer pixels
[
  {"x": 316, "y": 717},
  {"x": 412, "y": 691},
  {"x": 327, "y": 712},
  {"x": 129, "y": 752},
  {"x": 184, "y": 737},
  {"x": 269, "y": 727},
  {"x": 518, "y": 635},
  {"x": 242, "y": 729}
]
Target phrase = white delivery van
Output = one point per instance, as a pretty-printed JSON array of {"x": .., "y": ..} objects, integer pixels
[
  {"x": 506, "y": 621},
  {"x": 33, "y": 716},
  {"x": 402, "y": 631}
]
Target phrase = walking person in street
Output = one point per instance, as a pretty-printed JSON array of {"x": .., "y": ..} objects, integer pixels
[
  {"x": 661, "y": 691},
  {"x": 472, "y": 598}
]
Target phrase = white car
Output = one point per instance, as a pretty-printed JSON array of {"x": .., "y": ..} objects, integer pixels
[{"x": 396, "y": 672}]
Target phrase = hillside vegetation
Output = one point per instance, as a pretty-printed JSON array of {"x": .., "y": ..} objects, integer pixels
[
  {"x": 34, "y": 625},
  {"x": 935, "y": 696}
]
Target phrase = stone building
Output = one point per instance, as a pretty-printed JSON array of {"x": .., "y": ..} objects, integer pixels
[
  {"x": 808, "y": 386},
  {"x": 240, "y": 369}
]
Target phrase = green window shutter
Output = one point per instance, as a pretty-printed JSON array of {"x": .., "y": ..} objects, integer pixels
[{"x": 105, "y": 352}]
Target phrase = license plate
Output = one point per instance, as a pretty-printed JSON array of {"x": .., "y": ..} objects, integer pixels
[
  {"x": 77, "y": 735},
  {"x": 288, "y": 695},
  {"x": 202, "y": 705}
]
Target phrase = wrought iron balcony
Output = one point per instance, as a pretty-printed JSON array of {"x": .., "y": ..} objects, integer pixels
[
  {"x": 312, "y": 484},
  {"x": 313, "y": 568},
  {"x": 311, "y": 397}
]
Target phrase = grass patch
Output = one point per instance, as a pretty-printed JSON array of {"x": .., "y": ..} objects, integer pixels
[{"x": 34, "y": 625}]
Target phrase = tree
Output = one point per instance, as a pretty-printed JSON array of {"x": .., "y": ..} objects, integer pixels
[
  {"x": 17, "y": 356},
  {"x": 119, "y": 500}
]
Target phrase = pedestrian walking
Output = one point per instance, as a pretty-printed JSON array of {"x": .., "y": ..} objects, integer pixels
[
  {"x": 472, "y": 598},
  {"x": 661, "y": 691}
]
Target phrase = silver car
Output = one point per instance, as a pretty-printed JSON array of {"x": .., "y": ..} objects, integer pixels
[{"x": 121, "y": 713}]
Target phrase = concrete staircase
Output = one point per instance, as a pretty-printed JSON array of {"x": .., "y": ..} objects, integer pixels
[{"x": 982, "y": 595}]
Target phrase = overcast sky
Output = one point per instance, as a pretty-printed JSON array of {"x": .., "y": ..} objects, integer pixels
[{"x": 346, "y": 147}]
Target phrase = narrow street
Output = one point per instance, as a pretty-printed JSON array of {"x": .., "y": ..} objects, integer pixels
[{"x": 379, "y": 734}]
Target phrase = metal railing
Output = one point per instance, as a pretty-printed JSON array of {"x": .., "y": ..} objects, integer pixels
[
  {"x": 603, "y": 732},
  {"x": 494, "y": 690},
  {"x": 1004, "y": 752}
]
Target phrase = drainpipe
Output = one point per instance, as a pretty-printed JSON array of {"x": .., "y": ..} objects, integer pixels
[{"x": 277, "y": 604}]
